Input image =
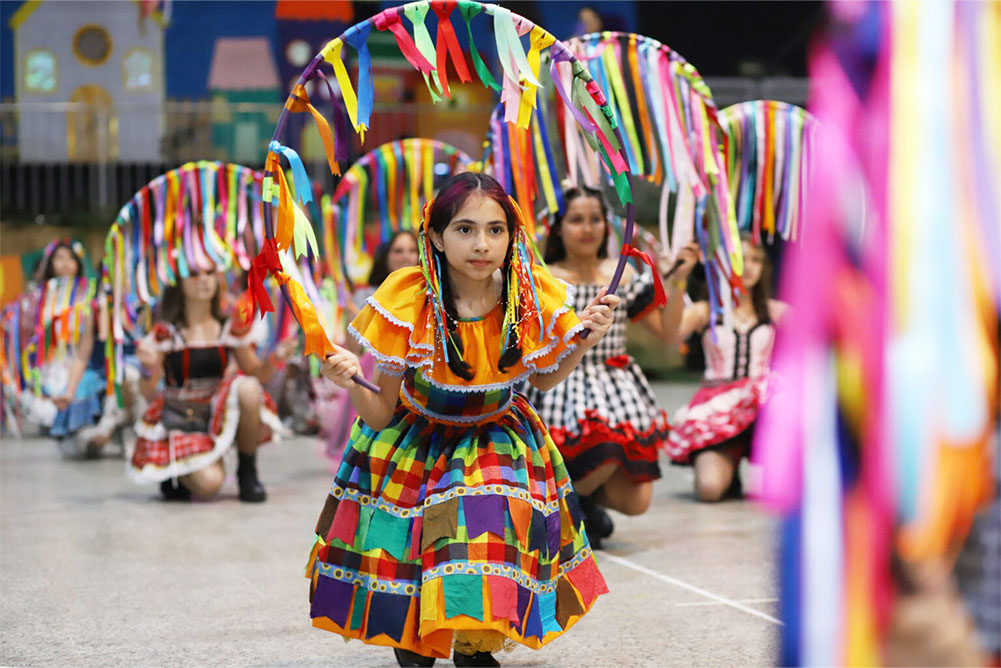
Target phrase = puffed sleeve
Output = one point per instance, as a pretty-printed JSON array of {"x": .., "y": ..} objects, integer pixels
[
  {"x": 558, "y": 325},
  {"x": 394, "y": 324},
  {"x": 640, "y": 295}
]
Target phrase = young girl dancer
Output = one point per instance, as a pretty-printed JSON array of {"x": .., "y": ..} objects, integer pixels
[
  {"x": 452, "y": 516},
  {"x": 71, "y": 405},
  {"x": 202, "y": 410},
  {"x": 398, "y": 252},
  {"x": 605, "y": 419},
  {"x": 714, "y": 431}
]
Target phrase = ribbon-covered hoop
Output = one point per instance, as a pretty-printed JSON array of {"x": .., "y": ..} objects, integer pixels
[
  {"x": 518, "y": 87},
  {"x": 671, "y": 139},
  {"x": 201, "y": 216},
  {"x": 767, "y": 150},
  {"x": 392, "y": 182}
]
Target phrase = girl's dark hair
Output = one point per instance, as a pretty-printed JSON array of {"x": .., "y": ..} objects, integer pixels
[
  {"x": 380, "y": 263},
  {"x": 555, "y": 250},
  {"x": 171, "y": 307},
  {"x": 451, "y": 197},
  {"x": 761, "y": 293},
  {"x": 49, "y": 271}
]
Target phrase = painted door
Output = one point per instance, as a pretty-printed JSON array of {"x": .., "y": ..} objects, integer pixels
[{"x": 92, "y": 127}]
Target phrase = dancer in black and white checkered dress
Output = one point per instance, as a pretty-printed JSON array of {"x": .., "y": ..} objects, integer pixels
[{"x": 604, "y": 418}]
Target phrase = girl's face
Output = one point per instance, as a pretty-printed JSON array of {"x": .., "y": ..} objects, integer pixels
[
  {"x": 64, "y": 263},
  {"x": 201, "y": 286},
  {"x": 754, "y": 262},
  {"x": 583, "y": 227},
  {"x": 476, "y": 239},
  {"x": 403, "y": 253}
]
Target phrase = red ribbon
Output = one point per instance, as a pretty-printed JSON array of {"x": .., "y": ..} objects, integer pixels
[
  {"x": 447, "y": 44},
  {"x": 161, "y": 332},
  {"x": 266, "y": 262},
  {"x": 619, "y": 361},
  {"x": 390, "y": 20},
  {"x": 658, "y": 284}
]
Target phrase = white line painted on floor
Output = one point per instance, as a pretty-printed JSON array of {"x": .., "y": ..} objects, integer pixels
[
  {"x": 741, "y": 600},
  {"x": 684, "y": 585}
]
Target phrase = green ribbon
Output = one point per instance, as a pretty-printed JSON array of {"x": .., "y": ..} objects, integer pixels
[
  {"x": 617, "y": 87},
  {"x": 416, "y": 12},
  {"x": 302, "y": 233},
  {"x": 508, "y": 43},
  {"x": 602, "y": 117},
  {"x": 620, "y": 180},
  {"x": 469, "y": 10}
]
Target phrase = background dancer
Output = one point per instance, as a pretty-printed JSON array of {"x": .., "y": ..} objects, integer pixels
[
  {"x": 604, "y": 418},
  {"x": 714, "y": 431},
  {"x": 202, "y": 409}
]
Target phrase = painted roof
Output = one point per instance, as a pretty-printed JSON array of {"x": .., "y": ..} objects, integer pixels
[
  {"x": 25, "y": 11},
  {"x": 310, "y": 10},
  {"x": 243, "y": 63},
  {"x": 22, "y": 14}
]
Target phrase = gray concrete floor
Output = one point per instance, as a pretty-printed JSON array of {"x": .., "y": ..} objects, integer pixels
[{"x": 96, "y": 571}]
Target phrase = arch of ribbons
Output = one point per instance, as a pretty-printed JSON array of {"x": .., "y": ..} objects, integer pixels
[
  {"x": 670, "y": 138},
  {"x": 518, "y": 87},
  {"x": 200, "y": 216},
  {"x": 382, "y": 192},
  {"x": 767, "y": 152}
]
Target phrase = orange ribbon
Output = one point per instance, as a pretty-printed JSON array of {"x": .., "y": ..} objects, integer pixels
[
  {"x": 651, "y": 140},
  {"x": 299, "y": 102},
  {"x": 285, "y": 224}
]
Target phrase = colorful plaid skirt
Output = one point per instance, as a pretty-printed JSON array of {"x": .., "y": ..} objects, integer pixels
[
  {"x": 446, "y": 521},
  {"x": 161, "y": 453}
]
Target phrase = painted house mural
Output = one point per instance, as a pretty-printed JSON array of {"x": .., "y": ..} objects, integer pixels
[{"x": 104, "y": 56}]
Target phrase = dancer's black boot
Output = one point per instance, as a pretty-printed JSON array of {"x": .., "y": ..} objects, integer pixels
[
  {"x": 251, "y": 489},
  {"x": 597, "y": 522},
  {"x": 408, "y": 659},
  {"x": 478, "y": 659},
  {"x": 172, "y": 492},
  {"x": 736, "y": 488}
]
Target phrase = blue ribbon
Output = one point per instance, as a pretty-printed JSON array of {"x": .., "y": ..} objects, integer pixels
[
  {"x": 645, "y": 80},
  {"x": 303, "y": 191},
  {"x": 402, "y": 192},
  {"x": 380, "y": 183},
  {"x": 714, "y": 308},
  {"x": 659, "y": 110},
  {"x": 358, "y": 39},
  {"x": 543, "y": 125}
]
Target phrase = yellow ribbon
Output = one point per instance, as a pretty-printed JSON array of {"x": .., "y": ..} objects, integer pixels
[
  {"x": 545, "y": 177},
  {"x": 540, "y": 39},
  {"x": 332, "y": 54}
]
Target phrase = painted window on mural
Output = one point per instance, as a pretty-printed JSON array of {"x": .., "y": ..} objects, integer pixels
[
  {"x": 40, "y": 71},
  {"x": 298, "y": 52},
  {"x": 92, "y": 45},
  {"x": 137, "y": 70}
]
